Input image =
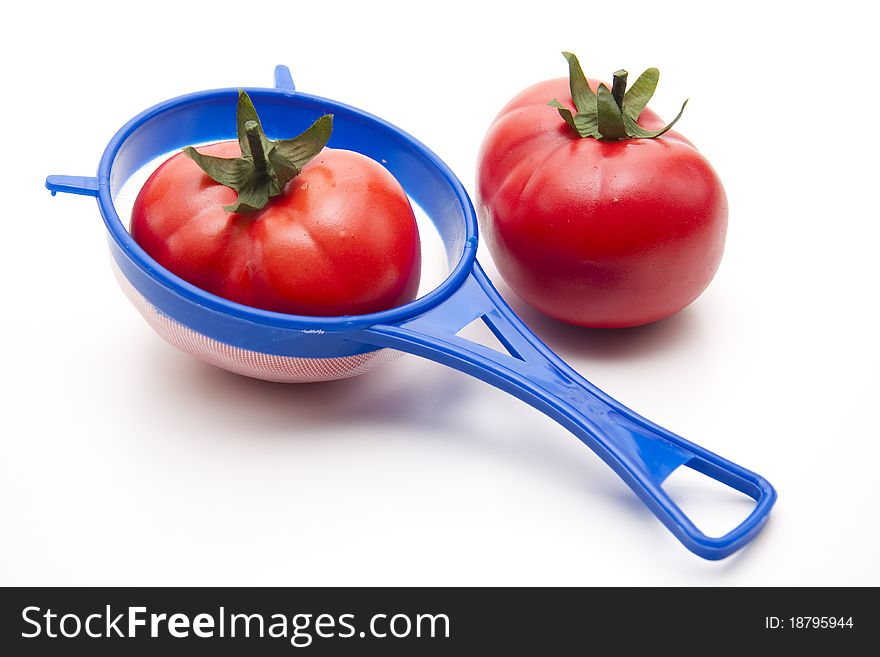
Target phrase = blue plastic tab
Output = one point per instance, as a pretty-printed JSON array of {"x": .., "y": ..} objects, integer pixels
[
  {"x": 83, "y": 185},
  {"x": 283, "y": 79}
]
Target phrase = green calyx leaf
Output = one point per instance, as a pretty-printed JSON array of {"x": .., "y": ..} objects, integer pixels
[
  {"x": 585, "y": 121},
  {"x": 610, "y": 117},
  {"x": 265, "y": 165},
  {"x": 610, "y": 114}
]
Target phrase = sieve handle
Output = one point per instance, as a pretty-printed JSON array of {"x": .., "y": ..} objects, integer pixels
[{"x": 642, "y": 453}]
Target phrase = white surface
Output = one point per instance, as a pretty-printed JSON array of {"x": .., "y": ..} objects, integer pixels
[{"x": 124, "y": 462}]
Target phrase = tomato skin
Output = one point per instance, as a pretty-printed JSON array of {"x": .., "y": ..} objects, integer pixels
[
  {"x": 341, "y": 240},
  {"x": 597, "y": 233}
]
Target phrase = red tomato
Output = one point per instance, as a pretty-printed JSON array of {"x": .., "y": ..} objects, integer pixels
[
  {"x": 592, "y": 232},
  {"x": 340, "y": 240}
]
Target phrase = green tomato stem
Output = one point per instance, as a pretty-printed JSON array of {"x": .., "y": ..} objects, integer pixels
[
  {"x": 252, "y": 130},
  {"x": 618, "y": 88},
  {"x": 609, "y": 114},
  {"x": 265, "y": 165}
]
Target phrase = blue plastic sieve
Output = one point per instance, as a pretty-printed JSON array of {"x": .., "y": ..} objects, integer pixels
[{"x": 284, "y": 347}]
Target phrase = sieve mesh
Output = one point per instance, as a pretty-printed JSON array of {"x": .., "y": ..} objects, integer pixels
[{"x": 268, "y": 367}]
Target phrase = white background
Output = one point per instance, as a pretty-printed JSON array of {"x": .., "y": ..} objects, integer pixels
[{"x": 125, "y": 462}]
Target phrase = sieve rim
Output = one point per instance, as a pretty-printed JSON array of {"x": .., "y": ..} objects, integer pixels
[{"x": 164, "y": 277}]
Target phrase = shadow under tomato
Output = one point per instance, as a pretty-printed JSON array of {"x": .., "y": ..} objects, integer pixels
[
  {"x": 387, "y": 395},
  {"x": 624, "y": 344},
  {"x": 425, "y": 397}
]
